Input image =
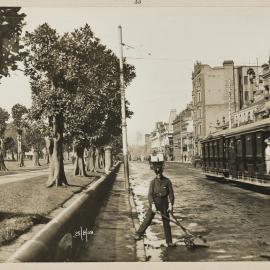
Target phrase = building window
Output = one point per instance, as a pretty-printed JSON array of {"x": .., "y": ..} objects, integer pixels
[
  {"x": 245, "y": 80},
  {"x": 200, "y": 129},
  {"x": 246, "y": 95},
  {"x": 199, "y": 96},
  {"x": 199, "y": 113}
]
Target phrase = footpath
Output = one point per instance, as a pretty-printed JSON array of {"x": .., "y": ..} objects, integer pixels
[{"x": 114, "y": 229}]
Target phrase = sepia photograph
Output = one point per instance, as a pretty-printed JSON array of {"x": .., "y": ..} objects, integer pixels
[{"x": 134, "y": 131}]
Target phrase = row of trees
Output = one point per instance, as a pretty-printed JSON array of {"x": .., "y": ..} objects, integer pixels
[
  {"x": 11, "y": 24},
  {"x": 22, "y": 135},
  {"x": 76, "y": 99}
]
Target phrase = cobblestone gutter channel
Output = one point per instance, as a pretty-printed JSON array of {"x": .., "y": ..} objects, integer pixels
[
  {"x": 140, "y": 247},
  {"x": 55, "y": 241}
]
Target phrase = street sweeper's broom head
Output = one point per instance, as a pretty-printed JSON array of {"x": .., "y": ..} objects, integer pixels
[{"x": 192, "y": 242}]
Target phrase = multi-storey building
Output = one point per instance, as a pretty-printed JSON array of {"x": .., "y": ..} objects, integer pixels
[
  {"x": 183, "y": 135},
  {"x": 266, "y": 77},
  {"x": 161, "y": 138},
  {"x": 248, "y": 84},
  {"x": 170, "y": 146},
  {"x": 210, "y": 98},
  {"x": 254, "y": 104},
  {"x": 219, "y": 92}
]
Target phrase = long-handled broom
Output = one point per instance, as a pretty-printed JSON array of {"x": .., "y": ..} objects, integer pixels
[{"x": 191, "y": 241}]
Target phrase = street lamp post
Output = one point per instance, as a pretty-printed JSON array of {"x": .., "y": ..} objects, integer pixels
[{"x": 123, "y": 109}]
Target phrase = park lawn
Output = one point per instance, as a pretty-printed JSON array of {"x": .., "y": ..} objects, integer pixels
[
  {"x": 13, "y": 167},
  {"x": 26, "y": 203}
]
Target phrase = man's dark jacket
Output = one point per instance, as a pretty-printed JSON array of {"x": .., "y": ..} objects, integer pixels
[{"x": 160, "y": 188}]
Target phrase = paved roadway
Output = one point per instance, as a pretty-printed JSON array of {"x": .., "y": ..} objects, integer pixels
[{"x": 235, "y": 221}]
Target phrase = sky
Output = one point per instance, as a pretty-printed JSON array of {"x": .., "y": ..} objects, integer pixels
[{"x": 164, "y": 43}]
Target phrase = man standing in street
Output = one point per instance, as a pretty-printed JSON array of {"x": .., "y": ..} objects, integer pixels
[{"x": 161, "y": 198}]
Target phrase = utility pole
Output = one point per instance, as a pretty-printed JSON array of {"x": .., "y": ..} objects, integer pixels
[
  {"x": 230, "y": 111},
  {"x": 181, "y": 138},
  {"x": 123, "y": 109}
]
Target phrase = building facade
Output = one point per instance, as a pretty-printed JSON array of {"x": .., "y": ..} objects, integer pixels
[
  {"x": 183, "y": 135},
  {"x": 211, "y": 96},
  {"x": 248, "y": 84},
  {"x": 161, "y": 138},
  {"x": 219, "y": 93}
]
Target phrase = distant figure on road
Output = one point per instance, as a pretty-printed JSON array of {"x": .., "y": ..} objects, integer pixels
[{"x": 161, "y": 198}]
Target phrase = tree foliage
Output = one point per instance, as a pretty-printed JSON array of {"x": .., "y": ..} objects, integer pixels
[
  {"x": 10, "y": 144},
  {"x": 34, "y": 136},
  {"x": 75, "y": 83},
  {"x": 73, "y": 75},
  {"x": 4, "y": 116},
  {"x": 18, "y": 113},
  {"x": 11, "y": 23}
]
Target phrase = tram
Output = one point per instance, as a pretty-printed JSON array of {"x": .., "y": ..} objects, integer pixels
[{"x": 238, "y": 155}]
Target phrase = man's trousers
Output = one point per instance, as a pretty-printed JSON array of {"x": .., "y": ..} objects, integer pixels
[{"x": 162, "y": 206}]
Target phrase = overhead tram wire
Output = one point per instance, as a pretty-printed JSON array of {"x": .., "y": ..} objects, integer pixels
[{"x": 211, "y": 62}]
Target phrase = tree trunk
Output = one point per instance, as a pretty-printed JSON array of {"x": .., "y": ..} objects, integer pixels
[
  {"x": 57, "y": 174},
  {"x": 2, "y": 161},
  {"x": 102, "y": 159},
  {"x": 79, "y": 165},
  {"x": 36, "y": 158},
  {"x": 97, "y": 155},
  {"x": 49, "y": 149},
  {"x": 91, "y": 160},
  {"x": 12, "y": 155},
  {"x": 20, "y": 152},
  {"x": 47, "y": 159}
]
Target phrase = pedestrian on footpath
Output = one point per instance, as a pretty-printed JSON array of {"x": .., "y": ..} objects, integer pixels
[{"x": 161, "y": 198}]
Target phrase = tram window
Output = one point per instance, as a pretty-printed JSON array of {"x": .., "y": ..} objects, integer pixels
[
  {"x": 226, "y": 148},
  {"x": 206, "y": 150},
  {"x": 239, "y": 148},
  {"x": 259, "y": 150},
  {"x": 217, "y": 148},
  {"x": 203, "y": 149},
  {"x": 210, "y": 150},
  {"x": 249, "y": 146},
  {"x": 221, "y": 153}
]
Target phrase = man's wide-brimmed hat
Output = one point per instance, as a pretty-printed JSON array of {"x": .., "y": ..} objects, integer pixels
[
  {"x": 158, "y": 169},
  {"x": 158, "y": 166}
]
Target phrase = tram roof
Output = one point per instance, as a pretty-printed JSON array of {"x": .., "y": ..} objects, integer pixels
[{"x": 240, "y": 130}]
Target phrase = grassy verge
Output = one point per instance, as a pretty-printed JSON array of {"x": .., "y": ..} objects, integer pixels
[
  {"x": 13, "y": 167},
  {"x": 26, "y": 203}
]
